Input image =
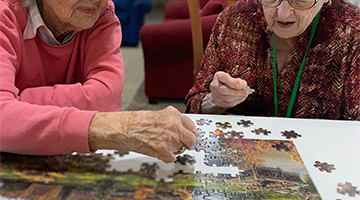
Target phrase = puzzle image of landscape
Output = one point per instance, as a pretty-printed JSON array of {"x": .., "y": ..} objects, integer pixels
[
  {"x": 271, "y": 169},
  {"x": 268, "y": 169}
]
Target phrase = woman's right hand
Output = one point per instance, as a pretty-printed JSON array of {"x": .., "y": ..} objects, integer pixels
[
  {"x": 159, "y": 134},
  {"x": 227, "y": 91}
]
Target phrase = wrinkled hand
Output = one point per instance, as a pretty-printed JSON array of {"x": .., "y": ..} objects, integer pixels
[
  {"x": 155, "y": 133},
  {"x": 227, "y": 91}
]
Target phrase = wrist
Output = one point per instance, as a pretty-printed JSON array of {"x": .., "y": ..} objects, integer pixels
[
  {"x": 106, "y": 131},
  {"x": 208, "y": 106}
]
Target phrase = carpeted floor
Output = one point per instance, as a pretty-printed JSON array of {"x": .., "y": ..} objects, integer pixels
[{"x": 134, "y": 97}]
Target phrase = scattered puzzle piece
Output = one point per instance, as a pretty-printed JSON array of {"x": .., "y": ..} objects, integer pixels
[
  {"x": 347, "y": 188},
  {"x": 235, "y": 134},
  {"x": 290, "y": 134},
  {"x": 223, "y": 125},
  {"x": 324, "y": 166},
  {"x": 203, "y": 121},
  {"x": 186, "y": 158},
  {"x": 261, "y": 130},
  {"x": 280, "y": 146},
  {"x": 245, "y": 123}
]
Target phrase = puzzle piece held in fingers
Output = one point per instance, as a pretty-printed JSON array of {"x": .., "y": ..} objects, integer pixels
[{"x": 248, "y": 89}]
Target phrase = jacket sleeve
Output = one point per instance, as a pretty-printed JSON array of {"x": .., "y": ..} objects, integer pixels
[
  {"x": 209, "y": 66},
  {"x": 27, "y": 128},
  {"x": 351, "y": 92},
  {"x": 103, "y": 74}
]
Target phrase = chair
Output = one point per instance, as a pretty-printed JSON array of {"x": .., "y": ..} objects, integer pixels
[
  {"x": 131, "y": 15},
  {"x": 196, "y": 32},
  {"x": 168, "y": 49}
]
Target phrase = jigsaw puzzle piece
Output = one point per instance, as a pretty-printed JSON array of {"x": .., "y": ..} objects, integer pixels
[
  {"x": 290, "y": 134},
  {"x": 347, "y": 188},
  {"x": 245, "y": 123},
  {"x": 324, "y": 166}
]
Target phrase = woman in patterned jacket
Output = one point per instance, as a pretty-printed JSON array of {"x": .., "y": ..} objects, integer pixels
[{"x": 300, "y": 57}]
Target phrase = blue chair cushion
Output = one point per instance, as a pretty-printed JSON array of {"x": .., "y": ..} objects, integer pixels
[
  {"x": 123, "y": 4},
  {"x": 123, "y": 17}
]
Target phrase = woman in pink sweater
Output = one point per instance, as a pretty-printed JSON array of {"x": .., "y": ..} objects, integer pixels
[{"x": 61, "y": 72}]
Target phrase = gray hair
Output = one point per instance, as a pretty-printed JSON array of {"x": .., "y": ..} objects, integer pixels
[{"x": 27, "y": 3}]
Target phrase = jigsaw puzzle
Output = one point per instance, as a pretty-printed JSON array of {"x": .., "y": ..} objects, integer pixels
[{"x": 256, "y": 162}]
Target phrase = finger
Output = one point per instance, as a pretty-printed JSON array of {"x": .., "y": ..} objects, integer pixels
[
  {"x": 226, "y": 79},
  {"x": 242, "y": 82},
  {"x": 163, "y": 153},
  {"x": 188, "y": 124},
  {"x": 230, "y": 92},
  {"x": 167, "y": 158},
  {"x": 171, "y": 158},
  {"x": 187, "y": 138}
]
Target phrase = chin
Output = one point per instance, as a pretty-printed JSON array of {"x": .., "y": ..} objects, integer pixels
[
  {"x": 86, "y": 25},
  {"x": 286, "y": 34}
]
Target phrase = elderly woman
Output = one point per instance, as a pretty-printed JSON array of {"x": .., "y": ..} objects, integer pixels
[
  {"x": 301, "y": 57},
  {"x": 61, "y": 72}
]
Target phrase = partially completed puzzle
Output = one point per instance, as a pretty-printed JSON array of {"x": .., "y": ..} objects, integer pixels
[{"x": 266, "y": 169}]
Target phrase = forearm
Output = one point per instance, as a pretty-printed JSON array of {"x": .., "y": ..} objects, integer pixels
[
  {"x": 123, "y": 131},
  {"x": 93, "y": 95},
  {"x": 43, "y": 130}
]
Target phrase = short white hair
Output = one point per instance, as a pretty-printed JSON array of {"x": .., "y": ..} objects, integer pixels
[{"x": 27, "y": 3}]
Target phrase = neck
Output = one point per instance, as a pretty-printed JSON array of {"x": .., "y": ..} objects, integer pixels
[
  {"x": 52, "y": 21},
  {"x": 284, "y": 45}
]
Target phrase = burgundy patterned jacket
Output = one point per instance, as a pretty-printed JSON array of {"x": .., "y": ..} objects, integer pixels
[{"x": 330, "y": 83}]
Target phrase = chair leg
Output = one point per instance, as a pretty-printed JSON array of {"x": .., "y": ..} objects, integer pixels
[{"x": 153, "y": 100}]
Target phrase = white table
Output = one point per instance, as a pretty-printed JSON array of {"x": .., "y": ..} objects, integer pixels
[{"x": 331, "y": 141}]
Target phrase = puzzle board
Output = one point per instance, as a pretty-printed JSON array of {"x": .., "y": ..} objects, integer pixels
[{"x": 244, "y": 161}]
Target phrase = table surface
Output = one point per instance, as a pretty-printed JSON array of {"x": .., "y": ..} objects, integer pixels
[{"x": 330, "y": 141}]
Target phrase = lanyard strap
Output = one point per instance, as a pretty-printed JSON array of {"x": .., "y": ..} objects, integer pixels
[{"x": 296, "y": 86}]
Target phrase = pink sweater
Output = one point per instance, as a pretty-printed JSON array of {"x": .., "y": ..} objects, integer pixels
[{"x": 49, "y": 94}]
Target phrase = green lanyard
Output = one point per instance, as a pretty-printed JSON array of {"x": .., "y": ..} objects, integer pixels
[{"x": 296, "y": 86}]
